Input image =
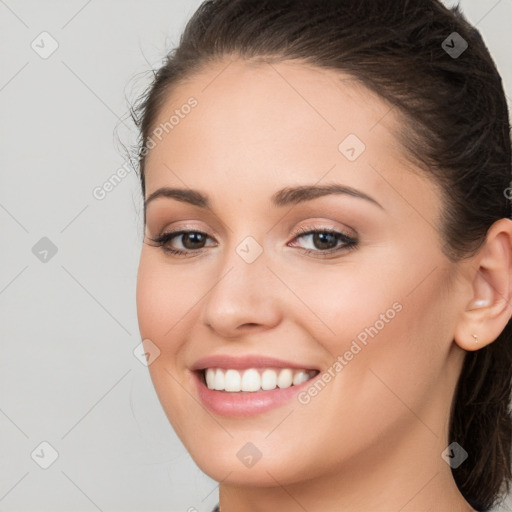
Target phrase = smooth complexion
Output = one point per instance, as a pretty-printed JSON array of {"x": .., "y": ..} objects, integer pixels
[{"x": 372, "y": 438}]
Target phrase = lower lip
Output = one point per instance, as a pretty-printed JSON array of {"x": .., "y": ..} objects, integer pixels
[{"x": 245, "y": 403}]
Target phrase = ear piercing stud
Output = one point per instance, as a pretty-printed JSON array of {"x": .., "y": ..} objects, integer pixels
[
  {"x": 481, "y": 303},
  {"x": 476, "y": 338}
]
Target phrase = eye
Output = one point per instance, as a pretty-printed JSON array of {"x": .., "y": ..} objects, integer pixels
[
  {"x": 191, "y": 241},
  {"x": 326, "y": 241}
]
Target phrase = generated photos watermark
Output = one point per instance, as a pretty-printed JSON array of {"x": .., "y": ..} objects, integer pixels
[{"x": 343, "y": 360}]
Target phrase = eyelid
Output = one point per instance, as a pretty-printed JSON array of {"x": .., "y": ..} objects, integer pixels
[
  {"x": 321, "y": 226},
  {"x": 179, "y": 226},
  {"x": 303, "y": 230}
]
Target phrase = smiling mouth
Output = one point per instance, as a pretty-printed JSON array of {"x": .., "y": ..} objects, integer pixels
[{"x": 254, "y": 379}]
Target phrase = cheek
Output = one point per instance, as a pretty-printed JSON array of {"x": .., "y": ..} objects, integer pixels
[
  {"x": 404, "y": 351},
  {"x": 381, "y": 322},
  {"x": 337, "y": 303},
  {"x": 163, "y": 300},
  {"x": 161, "y": 311}
]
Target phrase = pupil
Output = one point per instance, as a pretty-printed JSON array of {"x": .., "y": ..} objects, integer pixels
[
  {"x": 195, "y": 238},
  {"x": 321, "y": 239}
]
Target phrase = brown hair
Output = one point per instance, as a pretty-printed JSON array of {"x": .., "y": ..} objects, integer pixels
[{"x": 455, "y": 127}]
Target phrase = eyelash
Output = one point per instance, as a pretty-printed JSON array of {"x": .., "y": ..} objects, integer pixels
[{"x": 350, "y": 242}]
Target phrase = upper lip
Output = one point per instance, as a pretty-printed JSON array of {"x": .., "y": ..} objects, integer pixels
[{"x": 245, "y": 362}]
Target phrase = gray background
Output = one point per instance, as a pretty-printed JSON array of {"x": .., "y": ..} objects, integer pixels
[{"x": 68, "y": 325}]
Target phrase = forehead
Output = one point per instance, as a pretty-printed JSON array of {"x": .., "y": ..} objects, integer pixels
[
  {"x": 256, "y": 123},
  {"x": 261, "y": 102}
]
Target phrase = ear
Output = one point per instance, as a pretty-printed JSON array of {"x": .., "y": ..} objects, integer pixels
[{"x": 488, "y": 306}]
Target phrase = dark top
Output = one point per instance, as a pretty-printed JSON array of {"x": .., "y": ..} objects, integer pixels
[{"x": 216, "y": 509}]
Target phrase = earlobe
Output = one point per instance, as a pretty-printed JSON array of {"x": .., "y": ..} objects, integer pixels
[{"x": 489, "y": 307}]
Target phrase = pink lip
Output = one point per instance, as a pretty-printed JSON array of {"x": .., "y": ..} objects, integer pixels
[
  {"x": 245, "y": 362},
  {"x": 244, "y": 403}
]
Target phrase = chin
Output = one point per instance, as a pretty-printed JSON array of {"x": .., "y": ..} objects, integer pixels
[{"x": 234, "y": 465}]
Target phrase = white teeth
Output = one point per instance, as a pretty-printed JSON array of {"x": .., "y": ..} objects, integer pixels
[
  {"x": 219, "y": 380},
  {"x": 300, "y": 377},
  {"x": 251, "y": 380},
  {"x": 232, "y": 381},
  {"x": 210, "y": 378},
  {"x": 285, "y": 378},
  {"x": 268, "y": 379}
]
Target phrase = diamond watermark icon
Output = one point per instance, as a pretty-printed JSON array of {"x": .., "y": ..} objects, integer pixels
[
  {"x": 249, "y": 455},
  {"x": 44, "y": 250},
  {"x": 44, "y": 455},
  {"x": 352, "y": 147},
  {"x": 249, "y": 249},
  {"x": 454, "y": 45},
  {"x": 454, "y": 455},
  {"x": 44, "y": 45},
  {"x": 146, "y": 352}
]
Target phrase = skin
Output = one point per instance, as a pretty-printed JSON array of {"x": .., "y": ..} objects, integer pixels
[{"x": 372, "y": 438}]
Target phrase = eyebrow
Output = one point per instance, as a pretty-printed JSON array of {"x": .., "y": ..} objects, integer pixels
[{"x": 284, "y": 197}]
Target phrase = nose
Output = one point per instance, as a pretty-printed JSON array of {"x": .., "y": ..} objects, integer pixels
[{"x": 244, "y": 297}]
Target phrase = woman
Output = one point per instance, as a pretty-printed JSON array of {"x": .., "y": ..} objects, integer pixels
[{"x": 326, "y": 274}]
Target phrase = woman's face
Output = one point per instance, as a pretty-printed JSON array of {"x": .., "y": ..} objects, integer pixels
[{"x": 371, "y": 314}]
